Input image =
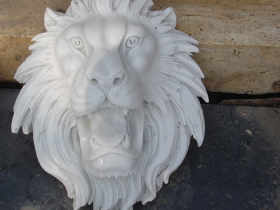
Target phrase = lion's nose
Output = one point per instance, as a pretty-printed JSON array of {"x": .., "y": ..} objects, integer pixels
[{"x": 105, "y": 83}]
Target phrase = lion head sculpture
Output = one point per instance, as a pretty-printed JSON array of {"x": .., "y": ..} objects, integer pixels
[{"x": 111, "y": 97}]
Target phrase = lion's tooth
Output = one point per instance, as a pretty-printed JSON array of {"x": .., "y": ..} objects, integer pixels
[
  {"x": 90, "y": 116},
  {"x": 105, "y": 104},
  {"x": 95, "y": 144},
  {"x": 127, "y": 142},
  {"x": 125, "y": 111},
  {"x": 127, "y": 122},
  {"x": 122, "y": 142}
]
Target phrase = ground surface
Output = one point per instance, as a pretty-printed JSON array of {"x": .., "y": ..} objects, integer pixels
[{"x": 237, "y": 167}]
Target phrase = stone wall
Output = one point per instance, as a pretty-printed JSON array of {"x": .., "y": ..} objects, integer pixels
[{"x": 239, "y": 40}]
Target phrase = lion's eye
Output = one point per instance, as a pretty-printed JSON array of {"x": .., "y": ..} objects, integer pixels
[
  {"x": 132, "y": 41},
  {"x": 77, "y": 42}
]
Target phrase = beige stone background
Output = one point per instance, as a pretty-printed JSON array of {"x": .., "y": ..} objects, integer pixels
[{"x": 239, "y": 39}]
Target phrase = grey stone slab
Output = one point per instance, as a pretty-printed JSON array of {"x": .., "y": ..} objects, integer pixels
[
  {"x": 237, "y": 167},
  {"x": 24, "y": 185}
]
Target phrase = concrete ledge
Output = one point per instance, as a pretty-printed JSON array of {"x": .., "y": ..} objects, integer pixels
[
  {"x": 239, "y": 40},
  {"x": 14, "y": 50}
]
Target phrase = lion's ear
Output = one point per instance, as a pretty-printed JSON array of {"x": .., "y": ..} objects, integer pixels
[
  {"x": 168, "y": 14},
  {"x": 170, "y": 17},
  {"x": 50, "y": 19}
]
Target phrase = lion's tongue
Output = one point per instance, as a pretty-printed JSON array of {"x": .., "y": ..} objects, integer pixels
[{"x": 108, "y": 126}]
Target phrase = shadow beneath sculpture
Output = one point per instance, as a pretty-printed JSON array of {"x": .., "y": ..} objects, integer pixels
[{"x": 236, "y": 168}]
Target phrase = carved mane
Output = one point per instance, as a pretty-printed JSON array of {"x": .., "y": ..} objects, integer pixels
[{"x": 44, "y": 102}]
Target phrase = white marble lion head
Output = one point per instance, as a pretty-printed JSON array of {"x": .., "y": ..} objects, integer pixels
[{"x": 111, "y": 97}]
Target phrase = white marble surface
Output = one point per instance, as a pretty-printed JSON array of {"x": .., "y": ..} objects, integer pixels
[{"x": 111, "y": 97}]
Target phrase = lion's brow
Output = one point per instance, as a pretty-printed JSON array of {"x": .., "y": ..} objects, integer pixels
[{"x": 107, "y": 32}]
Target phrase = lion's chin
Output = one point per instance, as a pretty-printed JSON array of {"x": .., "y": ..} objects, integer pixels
[
  {"x": 111, "y": 140},
  {"x": 112, "y": 165}
]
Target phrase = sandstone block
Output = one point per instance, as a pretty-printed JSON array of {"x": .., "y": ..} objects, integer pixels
[{"x": 239, "y": 40}]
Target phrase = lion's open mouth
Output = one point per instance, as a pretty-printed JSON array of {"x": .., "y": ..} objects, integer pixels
[
  {"x": 110, "y": 127},
  {"x": 111, "y": 130}
]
